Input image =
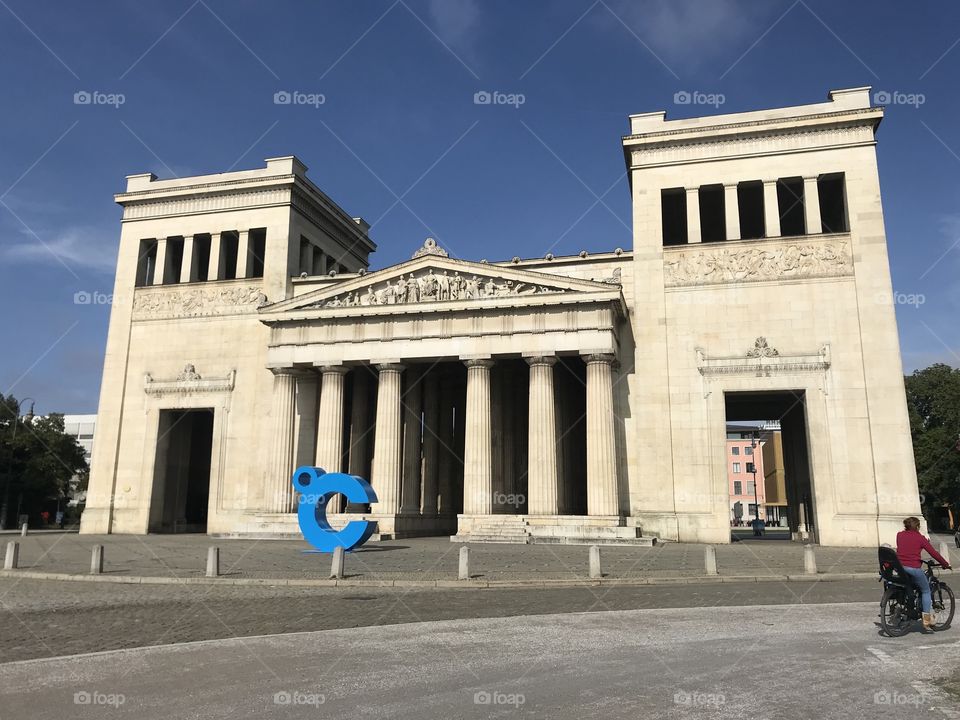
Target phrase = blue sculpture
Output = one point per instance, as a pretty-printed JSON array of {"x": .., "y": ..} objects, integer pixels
[{"x": 317, "y": 487}]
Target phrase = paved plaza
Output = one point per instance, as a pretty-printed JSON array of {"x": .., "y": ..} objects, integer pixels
[
  {"x": 422, "y": 559},
  {"x": 788, "y": 662}
]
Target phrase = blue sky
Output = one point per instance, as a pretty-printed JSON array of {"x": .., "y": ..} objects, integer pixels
[{"x": 398, "y": 121}]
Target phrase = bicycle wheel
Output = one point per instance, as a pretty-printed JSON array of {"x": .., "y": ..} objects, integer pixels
[
  {"x": 943, "y": 607},
  {"x": 894, "y": 617}
]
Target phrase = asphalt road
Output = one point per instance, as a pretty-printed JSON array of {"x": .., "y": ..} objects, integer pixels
[{"x": 785, "y": 662}]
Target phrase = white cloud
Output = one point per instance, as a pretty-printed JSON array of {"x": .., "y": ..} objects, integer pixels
[
  {"x": 76, "y": 248},
  {"x": 690, "y": 32},
  {"x": 455, "y": 22}
]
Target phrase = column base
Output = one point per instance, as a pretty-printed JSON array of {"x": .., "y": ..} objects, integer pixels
[{"x": 389, "y": 527}]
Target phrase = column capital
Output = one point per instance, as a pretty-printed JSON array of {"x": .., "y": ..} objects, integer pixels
[
  {"x": 810, "y": 178},
  {"x": 333, "y": 369},
  {"x": 692, "y": 189},
  {"x": 287, "y": 372},
  {"x": 605, "y": 358},
  {"x": 541, "y": 360},
  {"x": 770, "y": 182},
  {"x": 478, "y": 362},
  {"x": 396, "y": 367},
  {"x": 734, "y": 184}
]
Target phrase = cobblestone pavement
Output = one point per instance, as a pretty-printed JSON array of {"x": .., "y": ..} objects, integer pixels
[
  {"x": 421, "y": 559},
  {"x": 43, "y": 618}
]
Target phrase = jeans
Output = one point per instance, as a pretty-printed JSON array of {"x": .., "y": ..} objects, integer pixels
[{"x": 920, "y": 580}]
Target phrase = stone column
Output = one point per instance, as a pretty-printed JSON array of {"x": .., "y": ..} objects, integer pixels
[
  {"x": 731, "y": 210},
  {"x": 243, "y": 253},
  {"x": 161, "y": 268},
  {"x": 387, "y": 443},
  {"x": 431, "y": 443},
  {"x": 602, "y": 497},
  {"x": 188, "y": 271},
  {"x": 359, "y": 456},
  {"x": 306, "y": 258},
  {"x": 214, "y": 269},
  {"x": 693, "y": 215},
  {"x": 277, "y": 490},
  {"x": 811, "y": 206},
  {"x": 771, "y": 209},
  {"x": 508, "y": 482},
  {"x": 542, "y": 439},
  {"x": 478, "y": 449},
  {"x": 330, "y": 418},
  {"x": 412, "y": 459}
]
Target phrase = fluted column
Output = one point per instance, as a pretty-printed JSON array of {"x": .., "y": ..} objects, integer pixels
[
  {"x": 188, "y": 269},
  {"x": 243, "y": 253},
  {"x": 478, "y": 449},
  {"x": 731, "y": 211},
  {"x": 215, "y": 266},
  {"x": 431, "y": 444},
  {"x": 602, "y": 498},
  {"x": 771, "y": 209},
  {"x": 160, "y": 270},
  {"x": 446, "y": 461},
  {"x": 412, "y": 459},
  {"x": 811, "y": 206},
  {"x": 330, "y": 418},
  {"x": 542, "y": 439},
  {"x": 693, "y": 215},
  {"x": 387, "y": 444},
  {"x": 278, "y": 495},
  {"x": 358, "y": 462}
]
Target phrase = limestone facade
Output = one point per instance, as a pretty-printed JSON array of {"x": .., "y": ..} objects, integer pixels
[{"x": 555, "y": 399}]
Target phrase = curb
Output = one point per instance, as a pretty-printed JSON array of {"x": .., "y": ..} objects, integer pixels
[{"x": 446, "y": 584}]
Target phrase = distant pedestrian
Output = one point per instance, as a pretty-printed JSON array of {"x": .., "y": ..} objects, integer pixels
[
  {"x": 757, "y": 527},
  {"x": 59, "y": 518},
  {"x": 45, "y": 517}
]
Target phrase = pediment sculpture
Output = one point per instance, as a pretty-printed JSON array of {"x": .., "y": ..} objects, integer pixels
[{"x": 432, "y": 285}]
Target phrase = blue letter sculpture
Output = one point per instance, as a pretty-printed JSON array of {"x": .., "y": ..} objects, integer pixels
[{"x": 316, "y": 488}]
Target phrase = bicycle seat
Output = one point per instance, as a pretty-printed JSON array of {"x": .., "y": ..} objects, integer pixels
[{"x": 891, "y": 569}]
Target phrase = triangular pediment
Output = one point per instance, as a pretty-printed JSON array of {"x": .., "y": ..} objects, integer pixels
[{"x": 435, "y": 280}]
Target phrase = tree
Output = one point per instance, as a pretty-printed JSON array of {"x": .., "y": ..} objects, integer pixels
[
  {"x": 933, "y": 399},
  {"x": 37, "y": 460}
]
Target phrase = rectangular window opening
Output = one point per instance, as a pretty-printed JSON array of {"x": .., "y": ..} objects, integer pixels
[
  {"x": 833, "y": 203},
  {"x": 174, "y": 260},
  {"x": 713, "y": 221},
  {"x": 790, "y": 204},
  {"x": 673, "y": 205},
  {"x": 750, "y": 206},
  {"x": 229, "y": 244},
  {"x": 201, "y": 256},
  {"x": 146, "y": 263},
  {"x": 258, "y": 248}
]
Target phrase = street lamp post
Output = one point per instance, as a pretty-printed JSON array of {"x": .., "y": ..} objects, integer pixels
[
  {"x": 4, "y": 508},
  {"x": 753, "y": 469}
]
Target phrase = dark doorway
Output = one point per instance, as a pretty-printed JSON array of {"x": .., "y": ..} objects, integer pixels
[
  {"x": 181, "y": 483},
  {"x": 767, "y": 438}
]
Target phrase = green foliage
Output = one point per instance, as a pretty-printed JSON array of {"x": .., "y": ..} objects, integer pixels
[
  {"x": 933, "y": 399},
  {"x": 37, "y": 458}
]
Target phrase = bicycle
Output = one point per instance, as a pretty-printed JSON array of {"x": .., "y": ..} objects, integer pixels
[{"x": 900, "y": 606}]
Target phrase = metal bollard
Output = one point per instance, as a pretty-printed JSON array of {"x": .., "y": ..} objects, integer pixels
[
  {"x": 595, "y": 571},
  {"x": 464, "y": 570},
  {"x": 809, "y": 560},
  {"x": 213, "y": 561},
  {"x": 12, "y": 559},
  {"x": 336, "y": 568},
  {"x": 96, "y": 560},
  {"x": 710, "y": 559},
  {"x": 23, "y": 530}
]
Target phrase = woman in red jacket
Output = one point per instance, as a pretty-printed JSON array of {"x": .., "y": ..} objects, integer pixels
[{"x": 910, "y": 543}]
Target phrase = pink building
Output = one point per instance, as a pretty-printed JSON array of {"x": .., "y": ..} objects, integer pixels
[{"x": 744, "y": 455}]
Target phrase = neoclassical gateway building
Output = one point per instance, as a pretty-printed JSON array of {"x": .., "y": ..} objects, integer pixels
[{"x": 555, "y": 399}]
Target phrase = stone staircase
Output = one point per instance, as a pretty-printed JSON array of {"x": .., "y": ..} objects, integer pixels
[{"x": 519, "y": 530}]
